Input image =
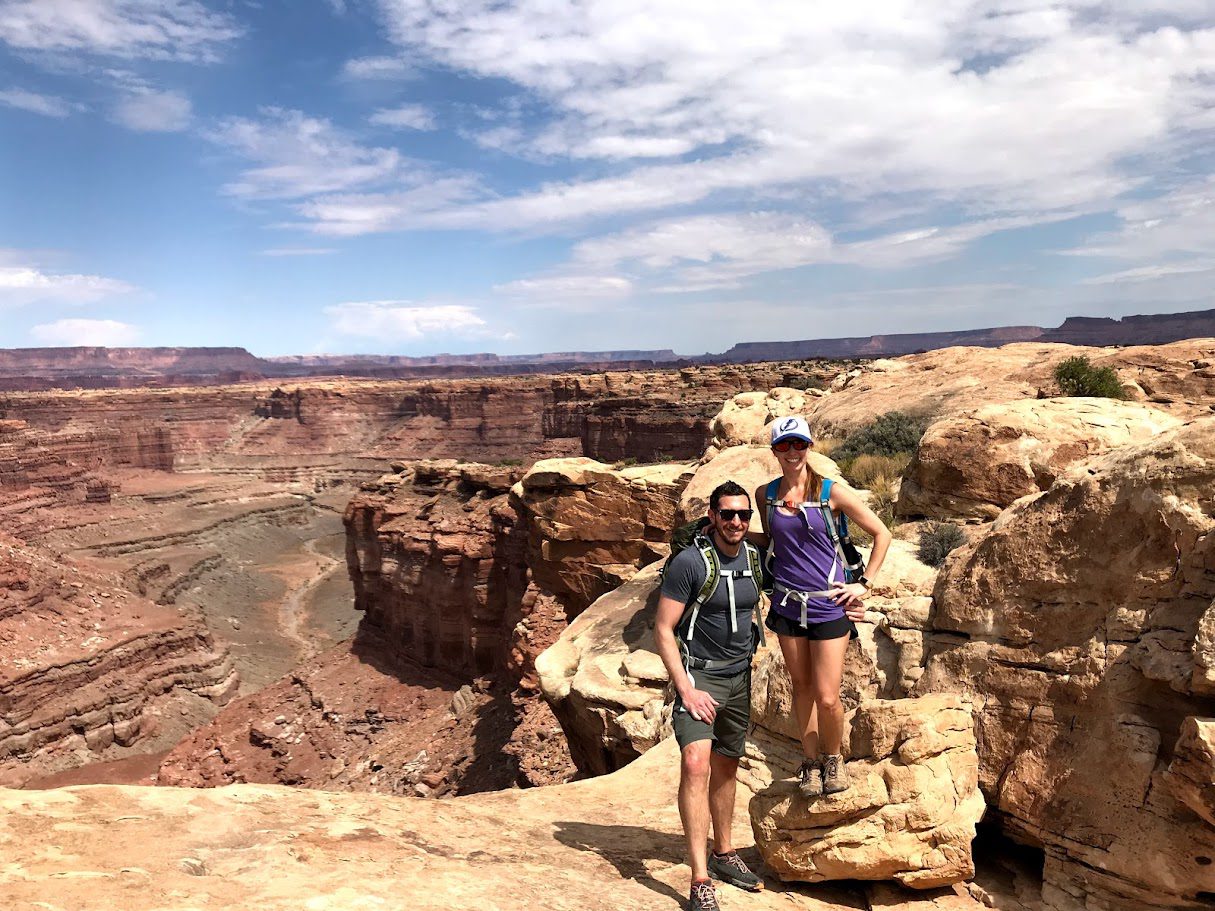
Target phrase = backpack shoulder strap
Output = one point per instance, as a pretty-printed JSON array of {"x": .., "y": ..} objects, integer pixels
[
  {"x": 708, "y": 553},
  {"x": 770, "y": 499},
  {"x": 757, "y": 576}
]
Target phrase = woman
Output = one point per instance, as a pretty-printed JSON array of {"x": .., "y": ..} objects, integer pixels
[{"x": 813, "y": 606}]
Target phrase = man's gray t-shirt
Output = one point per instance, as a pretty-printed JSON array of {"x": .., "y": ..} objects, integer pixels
[{"x": 713, "y": 639}]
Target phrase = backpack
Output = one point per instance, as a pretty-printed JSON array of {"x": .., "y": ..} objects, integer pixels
[
  {"x": 850, "y": 558},
  {"x": 693, "y": 535}
]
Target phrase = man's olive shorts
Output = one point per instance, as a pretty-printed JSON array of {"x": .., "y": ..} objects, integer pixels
[{"x": 729, "y": 729}]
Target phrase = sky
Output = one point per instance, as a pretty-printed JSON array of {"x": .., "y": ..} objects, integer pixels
[{"x": 517, "y": 176}]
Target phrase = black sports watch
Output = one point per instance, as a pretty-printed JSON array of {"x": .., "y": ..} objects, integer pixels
[{"x": 864, "y": 581}]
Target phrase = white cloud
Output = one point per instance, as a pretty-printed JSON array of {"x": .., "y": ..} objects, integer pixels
[
  {"x": 299, "y": 251},
  {"x": 149, "y": 111},
  {"x": 1001, "y": 108},
  {"x": 148, "y": 29},
  {"x": 74, "y": 332},
  {"x": 300, "y": 156},
  {"x": 426, "y": 200},
  {"x": 378, "y": 68},
  {"x": 47, "y": 105},
  {"x": 405, "y": 320},
  {"x": 407, "y": 116},
  {"x": 560, "y": 288},
  {"x": 21, "y": 285}
]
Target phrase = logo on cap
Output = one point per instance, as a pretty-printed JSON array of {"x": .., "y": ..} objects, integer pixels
[{"x": 788, "y": 424}]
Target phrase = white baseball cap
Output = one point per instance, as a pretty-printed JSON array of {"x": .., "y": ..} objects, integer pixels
[{"x": 790, "y": 428}]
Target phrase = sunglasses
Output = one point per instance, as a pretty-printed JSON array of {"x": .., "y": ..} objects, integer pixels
[
  {"x": 786, "y": 445},
  {"x": 728, "y": 515}
]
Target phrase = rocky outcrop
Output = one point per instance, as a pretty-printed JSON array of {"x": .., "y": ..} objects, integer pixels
[
  {"x": 744, "y": 419},
  {"x": 909, "y": 815},
  {"x": 957, "y": 379},
  {"x": 974, "y": 464},
  {"x": 591, "y": 527},
  {"x": 1076, "y": 622},
  {"x": 86, "y": 668},
  {"x": 1191, "y": 774},
  {"x": 605, "y": 681},
  {"x": 437, "y": 557}
]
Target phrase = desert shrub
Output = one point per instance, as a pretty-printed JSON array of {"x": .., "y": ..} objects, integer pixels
[
  {"x": 803, "y": 382},
  {"x": 937, "y": 539},
  {"x": 626, "y": 462},
  {"x": 827, "y": 445},
  {"x": 891, "y": 434},
  {"x": 1078, "y": 376},
  {"x": 875, "y": 472},
  {"x": 508, "y": 463}
]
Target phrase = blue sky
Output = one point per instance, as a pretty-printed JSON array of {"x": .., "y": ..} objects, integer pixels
[{"x": 424, "y": 176}]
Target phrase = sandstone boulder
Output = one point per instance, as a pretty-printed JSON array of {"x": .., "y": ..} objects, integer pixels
[
  {"x": 972, "y": 465},
  {"x": 744, "y": 419},
  {"x": 605, "y": 681},
  {"x": 1192, "y": 771},
  {"x": 590, "y": 526},
  {"x": 1075, "y": 622},
  {"x": 910, "y": 814}
]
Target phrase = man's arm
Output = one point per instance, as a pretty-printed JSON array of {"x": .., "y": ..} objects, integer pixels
[{"x": 700, "y": 705}]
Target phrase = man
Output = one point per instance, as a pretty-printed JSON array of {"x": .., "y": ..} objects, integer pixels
[{"x": 706, "y": 639}]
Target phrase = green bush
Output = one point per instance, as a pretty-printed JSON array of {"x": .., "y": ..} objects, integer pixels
[
  {"x": 891, "y": 434},
  {"x": 937, "y": 539},
  {"x": 1077, "y": 376},
  {"x": 803, "y": 382}
]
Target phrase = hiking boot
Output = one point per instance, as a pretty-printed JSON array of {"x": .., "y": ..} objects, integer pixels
[
  {"x": 835, "y": 776},
  {"x": 703, "y": 897},
  {"x": 810, "y": 779},
  {"x": 730, "y": 868}
]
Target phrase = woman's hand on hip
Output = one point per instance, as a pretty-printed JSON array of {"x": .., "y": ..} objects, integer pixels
[{"x": 849, "y": 595}]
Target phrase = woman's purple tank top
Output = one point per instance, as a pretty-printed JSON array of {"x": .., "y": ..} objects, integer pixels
[{"x": 803, "y": 560}]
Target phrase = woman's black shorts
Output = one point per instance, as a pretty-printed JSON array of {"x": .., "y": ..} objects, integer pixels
[{"x": 829, "y": 629}]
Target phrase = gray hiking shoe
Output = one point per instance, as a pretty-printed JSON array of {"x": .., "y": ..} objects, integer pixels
[
  {"x": 703, "y": 897},
  {"x": 835, "y": 776},
  {"x": 730, "y": 868},
  {"x": 810, "y": 778}
]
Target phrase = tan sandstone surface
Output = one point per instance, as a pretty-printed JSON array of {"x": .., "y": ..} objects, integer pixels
[
  {"x": 605, "y": 844},
  {"x": 1074, "y": 624}
]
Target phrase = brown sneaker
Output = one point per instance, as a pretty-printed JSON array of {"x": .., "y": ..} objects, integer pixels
[
  {"x": 835, "y": 776},
  {"x": 810, "y": 779}
]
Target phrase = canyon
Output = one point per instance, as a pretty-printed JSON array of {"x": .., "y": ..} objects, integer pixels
[{"x": 380, "y": 592}]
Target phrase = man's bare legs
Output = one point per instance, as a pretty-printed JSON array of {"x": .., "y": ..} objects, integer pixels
[
  {"x": 723, "y": 783},
  {"x": 694, "y": 773}
]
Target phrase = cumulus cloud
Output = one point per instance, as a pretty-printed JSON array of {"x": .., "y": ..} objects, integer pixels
[
  {"x": 47, "y": 105},
  {"x": 299, "y": 156},
  {"x": 149, "y": 111},
  {"x": 405, "y": 320},
  {"x": 405, "y": 116},
  {"x": 131, "y": 29},
  {"x": 21, "y": 285},
  {"x": 107, "y": 333}
]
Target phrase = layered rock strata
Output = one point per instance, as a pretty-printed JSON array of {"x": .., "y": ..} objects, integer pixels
[
  {"x": 1076, "y": 623},
  {"x": 590, "y": 528},
  {"x": 86, "y": 667}
]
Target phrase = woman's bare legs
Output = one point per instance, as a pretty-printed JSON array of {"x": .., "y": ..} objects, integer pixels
[
  {"x": 826, "y": 671},
  {"x": 796, "y": 651}
]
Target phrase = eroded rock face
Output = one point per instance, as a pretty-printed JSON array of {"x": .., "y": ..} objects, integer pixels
[
  {"x": 974, "y": 464},
  {"x": 1075, "y": 622},
  {"x": 86, "y": 668},
  {"x": 437, "y": 557},
  {"x": 744, "y": 419},
  {"x": 909, "y": 815},
  {"x": 605, "y": 681},
  {"x": 591, "y": 527}
]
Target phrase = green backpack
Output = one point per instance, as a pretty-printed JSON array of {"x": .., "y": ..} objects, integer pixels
[{"x": 694, "y": 535}]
